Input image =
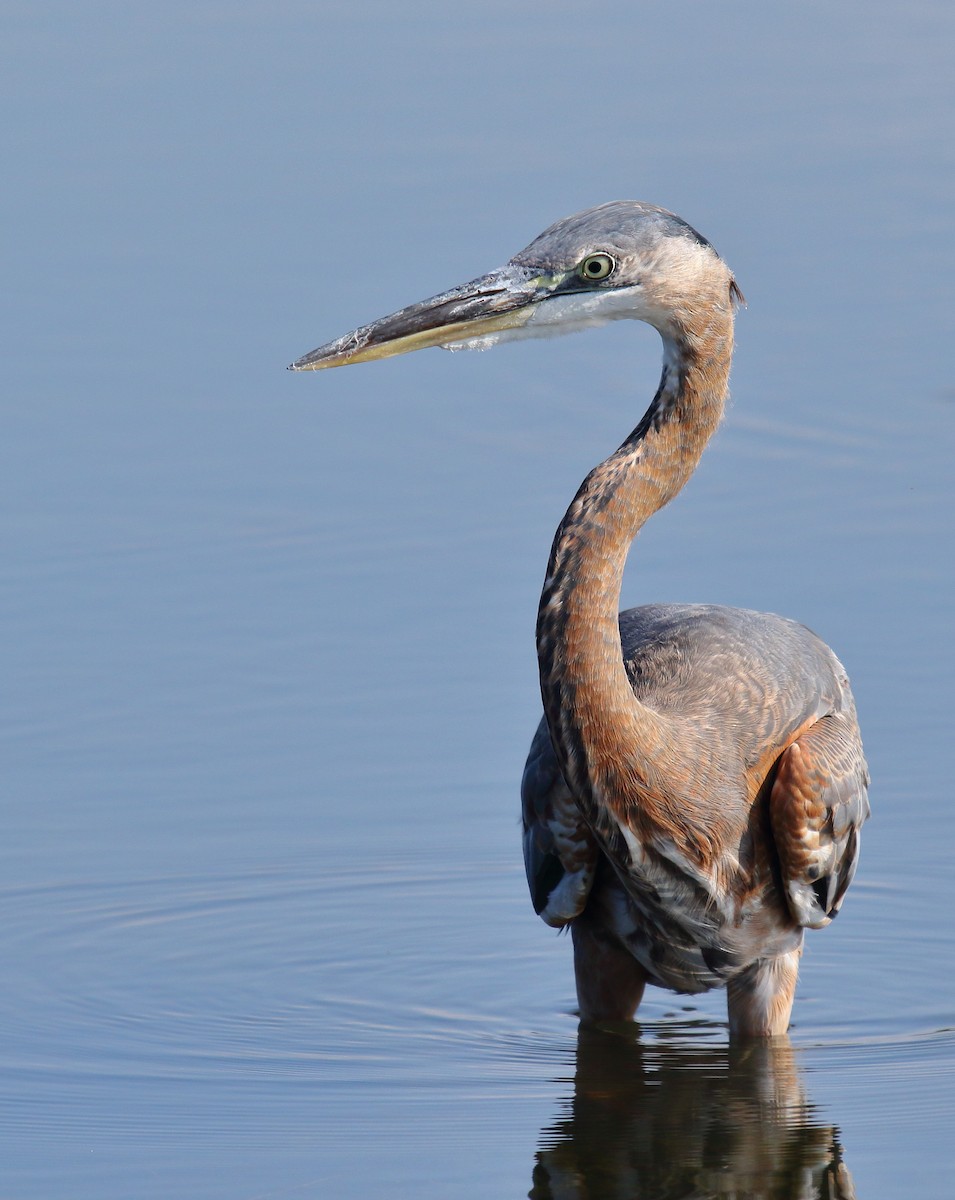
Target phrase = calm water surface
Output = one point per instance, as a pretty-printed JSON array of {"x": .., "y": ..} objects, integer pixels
[{"x": 268, "y": 656}]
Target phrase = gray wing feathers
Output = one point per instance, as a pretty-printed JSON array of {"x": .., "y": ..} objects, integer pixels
[
  {"x": 560, "y": 855},
  {"x": 752, "y": 676}
]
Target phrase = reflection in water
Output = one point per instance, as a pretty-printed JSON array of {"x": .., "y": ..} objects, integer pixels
[{"x": 682, "y": 1120}]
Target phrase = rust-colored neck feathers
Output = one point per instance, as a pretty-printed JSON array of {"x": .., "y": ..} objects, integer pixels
[{"x": 613, "y": 750}]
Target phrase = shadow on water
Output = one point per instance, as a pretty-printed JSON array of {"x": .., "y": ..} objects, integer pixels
[{"x": 680, "y": 1119}]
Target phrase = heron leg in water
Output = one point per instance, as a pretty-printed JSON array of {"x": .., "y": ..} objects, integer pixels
[
  {"x": 610, "y": 981},
  {"x": 760, "y": 999}
]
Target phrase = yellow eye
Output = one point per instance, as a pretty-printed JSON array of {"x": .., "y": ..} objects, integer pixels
[{"x": 596, "y": 267}]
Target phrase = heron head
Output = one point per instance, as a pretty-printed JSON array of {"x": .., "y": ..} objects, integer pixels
[{"x": 619, "y": 260}]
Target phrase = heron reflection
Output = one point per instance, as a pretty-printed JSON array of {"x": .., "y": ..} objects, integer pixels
[{"x": 682, "y": 1120}]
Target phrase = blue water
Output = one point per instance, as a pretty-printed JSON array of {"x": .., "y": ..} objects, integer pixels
[{"x": 267, "y": 653}]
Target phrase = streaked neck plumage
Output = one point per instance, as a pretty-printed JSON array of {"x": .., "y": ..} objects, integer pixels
[{"x": 613, "y": 750}]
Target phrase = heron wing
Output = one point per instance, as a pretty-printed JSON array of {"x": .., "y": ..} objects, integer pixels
[
  {"x": 818, "y": 805},
  {"x": 560, "y": 855}
]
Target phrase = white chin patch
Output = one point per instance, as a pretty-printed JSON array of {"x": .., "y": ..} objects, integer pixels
[{"x": 564, "y": 314}]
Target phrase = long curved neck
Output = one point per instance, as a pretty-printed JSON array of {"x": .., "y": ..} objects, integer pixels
[{"x": 613, "y": 749}]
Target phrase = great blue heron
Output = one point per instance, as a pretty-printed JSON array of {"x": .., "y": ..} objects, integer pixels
[{"x": 693, "y": 798}]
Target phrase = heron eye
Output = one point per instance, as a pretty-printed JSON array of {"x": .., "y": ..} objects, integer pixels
[{"x": 596, "y": 267}]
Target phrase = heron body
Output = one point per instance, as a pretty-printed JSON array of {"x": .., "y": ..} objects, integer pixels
[{"x": 693, "y": 796}]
